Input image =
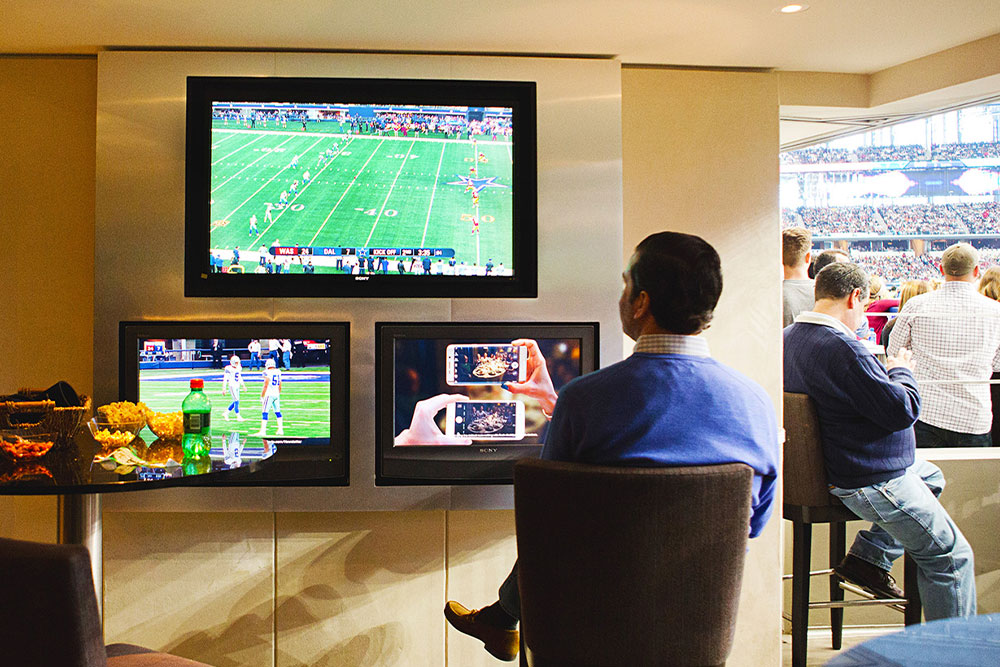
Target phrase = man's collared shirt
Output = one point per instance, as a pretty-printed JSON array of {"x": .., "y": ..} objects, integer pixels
[
  {"x": 672, "y": 344},
  {"x": 954, "y": 333},
  {"x": 811, "y": 317}
]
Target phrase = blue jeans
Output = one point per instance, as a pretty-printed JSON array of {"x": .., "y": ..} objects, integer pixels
[
  {"x": 509, "y": 595},
  {"x": 906, "y": 515}
]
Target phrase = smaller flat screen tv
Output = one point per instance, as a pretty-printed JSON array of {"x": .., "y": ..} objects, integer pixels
[
  {"x": 452, "y": 403},
  {"x": 299, "y": 370},
  {"x": 360, "y": 187}
]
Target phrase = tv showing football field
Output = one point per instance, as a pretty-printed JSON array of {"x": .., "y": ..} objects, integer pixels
[
  {"x": 278, "y": 391},
  {"x": 360, "y": 187}
]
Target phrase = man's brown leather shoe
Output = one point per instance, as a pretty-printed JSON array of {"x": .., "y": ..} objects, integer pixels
[
  {"x": 499, "y": 642},
  {"x": 870, "y": 577}
]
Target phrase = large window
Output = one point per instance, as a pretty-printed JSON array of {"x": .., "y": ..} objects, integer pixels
[{"x": 894, "y": 198}]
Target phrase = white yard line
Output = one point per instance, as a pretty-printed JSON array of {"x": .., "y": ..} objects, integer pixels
[
  {"x": 389, "y": 194},
  {"x": 268, "y": 182},
  {"x": 346, "y": 190},
  {"x": 437, "y": 177},
  {"x": 262, "y": 156},
  {"x": 229, "y": 135},
  {"x": 237, "y": 150}
]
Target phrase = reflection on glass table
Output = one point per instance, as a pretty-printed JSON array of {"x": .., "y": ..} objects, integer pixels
[{"x": 84, "y": 463}]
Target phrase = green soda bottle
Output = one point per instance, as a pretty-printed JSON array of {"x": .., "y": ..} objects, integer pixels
[{"x": 197, "y": 412}]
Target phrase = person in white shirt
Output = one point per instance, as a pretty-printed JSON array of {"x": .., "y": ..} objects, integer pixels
[
  {"x": 954, "y": 333},
  {"x": 272, "y": 349},
  {"x": 286, "y": 353},
  {"x": 270, "y": 397},
  {"x": 232, "y": 378},
  {"x": 254, "y": 349}
]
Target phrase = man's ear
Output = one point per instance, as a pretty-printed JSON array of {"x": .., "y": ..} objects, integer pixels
[
  {"x": 640, "y": 306},
  {"x": 975, "y": 271},
  {"x": 808, "y": 258}
]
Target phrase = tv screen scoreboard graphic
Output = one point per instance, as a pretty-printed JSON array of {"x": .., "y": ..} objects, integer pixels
[{"x": 285, "y": 251}]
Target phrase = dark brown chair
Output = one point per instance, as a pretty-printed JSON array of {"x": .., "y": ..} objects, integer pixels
[
  {"x": 807, "y": 501},
  {"x": 629, "y": 566},
  {"x": 49, "y": 615}
]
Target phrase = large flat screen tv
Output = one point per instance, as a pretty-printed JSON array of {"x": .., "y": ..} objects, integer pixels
[
  {"x": 360, "y": 187},
  {"x": 460, "y": 403},
  {"x": 302, "y": 436}
]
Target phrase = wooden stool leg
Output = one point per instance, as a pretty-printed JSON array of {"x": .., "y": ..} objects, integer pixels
[
  {"x": 801, "y": 552},
  {"x": 838, "y": 547},
  {"x": 913, "y": 608}
]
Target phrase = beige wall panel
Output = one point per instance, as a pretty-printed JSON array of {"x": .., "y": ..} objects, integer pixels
[
  {"x": 28, "y": 518},
  {"x": 198, "y": 585},
  {"x": 824, "y": 89},
  {"x": 360, "y": 588},
  {"x": 700, "y": 153},
  {"x": 962, "y": 64},
  {"x": 47, "y": 169},
  {"x": 481, "y": 550},
  {"x": 48, "y": 106},
  {"x": 972, "y": 498}
]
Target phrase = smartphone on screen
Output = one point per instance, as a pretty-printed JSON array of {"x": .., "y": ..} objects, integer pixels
[
  {"x": 486, "y": 420},
  {"x": 485, "y": 364}
]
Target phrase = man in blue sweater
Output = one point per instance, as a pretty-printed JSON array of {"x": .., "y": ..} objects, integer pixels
[
  {"x": 668, "y": 404},
  {"x": 866, "y": 413}
]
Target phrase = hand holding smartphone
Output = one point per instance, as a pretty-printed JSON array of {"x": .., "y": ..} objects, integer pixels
[
  {"x": 485, "y": 420},
  {"x": 485, "y": 364}
]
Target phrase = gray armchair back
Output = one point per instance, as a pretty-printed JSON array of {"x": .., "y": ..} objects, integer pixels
[{"x": 630, "y": 566}]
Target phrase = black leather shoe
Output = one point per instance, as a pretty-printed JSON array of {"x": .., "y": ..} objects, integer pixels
[
  {"x": 873, "y": 579},
  {"x": 499, "y": 642}
]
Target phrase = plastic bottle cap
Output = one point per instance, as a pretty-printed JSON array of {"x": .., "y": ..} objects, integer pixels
[{"x": 197, "y": 383}]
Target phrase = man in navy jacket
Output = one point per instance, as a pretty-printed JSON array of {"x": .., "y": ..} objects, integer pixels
[{"x": 866, "y": 413}]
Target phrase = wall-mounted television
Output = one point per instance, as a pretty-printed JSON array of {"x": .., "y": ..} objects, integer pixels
[
  {"x": 460, "y": 403},
  {"x": 360, "y": 187},
  {"x": 278, "y": 390}
]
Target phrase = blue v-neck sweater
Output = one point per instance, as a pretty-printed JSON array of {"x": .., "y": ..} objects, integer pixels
[{"x": 669, "y": 410}]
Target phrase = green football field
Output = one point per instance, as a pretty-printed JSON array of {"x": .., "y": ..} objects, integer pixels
[
  {"x": 305, "y": 400},
  {"x": 373, "y": 192}
]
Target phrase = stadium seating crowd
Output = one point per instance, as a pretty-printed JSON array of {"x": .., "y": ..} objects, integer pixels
[
  {"x": 977, "y": 218},
  {"x": 897, "y": 266},
  {"x": 956, "y": 151}
]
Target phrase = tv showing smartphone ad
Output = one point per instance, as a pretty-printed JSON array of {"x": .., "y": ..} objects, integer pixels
[{"x": 459, "y": 403}]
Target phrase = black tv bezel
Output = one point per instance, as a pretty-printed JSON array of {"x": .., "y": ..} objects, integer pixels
[
  {"x": 309, "y": 465},
  {"x": 455, "y": 473},
  {"x": 199, "y": 281}
]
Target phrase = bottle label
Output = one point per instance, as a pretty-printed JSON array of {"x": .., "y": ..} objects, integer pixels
[{"x": 197, "y": 422}]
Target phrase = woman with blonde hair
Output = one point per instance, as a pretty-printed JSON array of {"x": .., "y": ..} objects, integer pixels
[
  {"x": 989, "y": 283},
  {"x": 907, "y": 291},
  {"x": 879, "y": 302}
]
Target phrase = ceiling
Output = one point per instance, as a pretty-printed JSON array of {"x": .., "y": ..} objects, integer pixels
[{"x": 855, "y": 36}]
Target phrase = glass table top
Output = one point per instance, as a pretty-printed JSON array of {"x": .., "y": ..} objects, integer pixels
[{"x": 80, "y": 464}]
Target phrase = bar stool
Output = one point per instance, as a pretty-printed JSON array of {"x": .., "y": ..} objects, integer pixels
[{"x": 807, "y": 501}]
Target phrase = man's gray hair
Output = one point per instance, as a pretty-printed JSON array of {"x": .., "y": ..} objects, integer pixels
[{"x": 838, "y": 280}]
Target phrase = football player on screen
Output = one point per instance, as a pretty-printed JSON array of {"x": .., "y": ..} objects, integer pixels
[
  {"x": 270, "y": 397},
  {"x": 232, "y": 377}
]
